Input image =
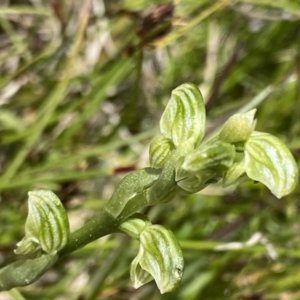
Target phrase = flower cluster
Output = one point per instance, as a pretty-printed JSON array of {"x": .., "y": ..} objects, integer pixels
[
  {"x": 179, "y": 159},
  {"x": 238, "y": 150}
]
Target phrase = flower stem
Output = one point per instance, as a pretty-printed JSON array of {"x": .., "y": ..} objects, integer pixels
[{"x": 98, "y": 227}]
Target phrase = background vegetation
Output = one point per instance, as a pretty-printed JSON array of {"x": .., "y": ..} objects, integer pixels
[{"x": 83, "y": 85}]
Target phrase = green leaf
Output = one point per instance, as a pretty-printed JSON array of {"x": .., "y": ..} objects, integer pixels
[
  {"x": 270, "y": 162},
  {"x": 184, "y": 117},
  {"x": 238, "y": 127},
  {"x": 131, "y": 191},
  {"x": 159, "y": 151},
  {"x": 47, "y": 223},
  {"x": 25, "y": 271},
  {"x": 159, "y": 257}
]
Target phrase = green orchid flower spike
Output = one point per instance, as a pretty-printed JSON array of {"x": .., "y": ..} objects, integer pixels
[{"x": 180, "y": 161}]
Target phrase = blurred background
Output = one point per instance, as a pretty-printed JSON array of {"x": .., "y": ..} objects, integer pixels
[{"x": 82, "y": 87}]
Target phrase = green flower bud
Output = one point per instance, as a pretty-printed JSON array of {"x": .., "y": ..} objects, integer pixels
[
  {"x": 159, "y": 151},
  {"x": 159, "y": 258},
  {"x": 47, "y": 225},
  {"x": 238, "y": 127},
  {"x": 184, "y": 117}
]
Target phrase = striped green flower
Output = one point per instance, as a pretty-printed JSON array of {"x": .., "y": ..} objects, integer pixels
[
  {"x": 217, "y": 157},
  {"x": 270, "y": 162},
  {"x": 47, "y": 225},
  {"x": 184, "y": 117},
  {"x": 204, "y": 165},
  {"x": 159, "y": 258}
]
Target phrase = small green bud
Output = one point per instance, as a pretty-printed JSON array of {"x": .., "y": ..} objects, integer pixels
[
  {"x": 184, "y": 117},
  {"x": 270, "y": 162},
  {"x": 159, "y": 258},
  {"x": 238, "y": 127},
  {"x": 47, "y": 225},
  {"x": 159, "y": 151}
]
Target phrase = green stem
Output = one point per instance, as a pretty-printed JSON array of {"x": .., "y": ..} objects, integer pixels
[{"x": 98, "y": 227}]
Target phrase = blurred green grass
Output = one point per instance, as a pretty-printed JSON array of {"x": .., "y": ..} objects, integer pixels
[{"x": 83, "y": 85}]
